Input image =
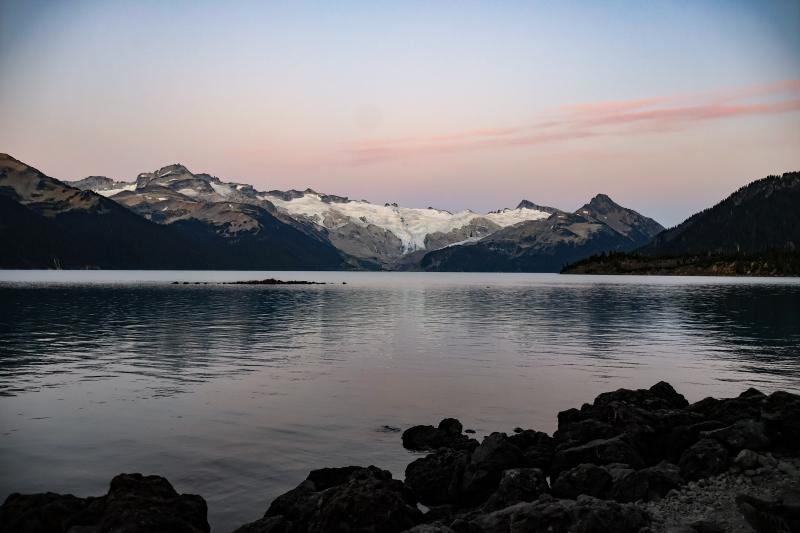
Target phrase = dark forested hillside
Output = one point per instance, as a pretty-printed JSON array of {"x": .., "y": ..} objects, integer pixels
[{"x": 754, "y": 231}]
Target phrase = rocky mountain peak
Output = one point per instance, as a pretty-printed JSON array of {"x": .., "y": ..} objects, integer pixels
[
  {"x": 603, "y": 202},
  {"x": 623, "y": 220},
  {"x": 92, "y": 183},
  {"x": 526, "y": 204},
  {"x": 175, "y": 168}
]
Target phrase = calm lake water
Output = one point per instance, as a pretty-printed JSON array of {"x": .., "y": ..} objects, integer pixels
[{"x": 236, "y": 392}]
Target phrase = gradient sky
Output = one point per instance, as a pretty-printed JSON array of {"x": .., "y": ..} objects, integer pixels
[{"x": 665, "y": 106}]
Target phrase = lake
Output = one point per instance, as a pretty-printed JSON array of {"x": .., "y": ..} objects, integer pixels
[{"x": 235, "y": 392}]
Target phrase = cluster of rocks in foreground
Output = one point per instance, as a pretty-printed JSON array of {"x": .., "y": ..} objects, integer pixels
[{"x": 632, "y": 461}]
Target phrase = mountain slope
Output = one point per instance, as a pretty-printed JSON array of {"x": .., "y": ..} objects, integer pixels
[
  {"x": 638, "y": 228},
  {"x": 49, "y": 224},
  {"x": 754, "y": 231},
  {"x": 387, "y": 233},
  {"x": 547, "y": 245},
  {"x": 762, "y": 215},
  {"x": 384, "y": 235}
]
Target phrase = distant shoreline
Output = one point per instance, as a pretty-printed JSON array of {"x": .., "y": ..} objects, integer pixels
[{"x": 771, "y": 263}]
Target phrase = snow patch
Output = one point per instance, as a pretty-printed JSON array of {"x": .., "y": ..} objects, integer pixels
[
  {"x": 222, "y": 189},
  {"x": 112, "y": 192},
  {"x": 410, "y": 225}
]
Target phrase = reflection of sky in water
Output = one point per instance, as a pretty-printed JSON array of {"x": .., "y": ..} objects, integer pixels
[{"x": 235, "y": 392}]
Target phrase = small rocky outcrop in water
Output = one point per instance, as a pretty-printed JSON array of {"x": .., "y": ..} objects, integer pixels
[
  {"x": 134, "y": 504},
  {"x": 446, "y": 435},
  {"x": 273, "y": 281},
  {"x": 633, "y": 461}
]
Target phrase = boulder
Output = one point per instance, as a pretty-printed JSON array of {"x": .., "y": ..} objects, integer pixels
[
  {"x": 599, "y": 452},
  {"x": 446, "y": 435},
  {"x": 748, "y": 460},
  {"x": 370, "y": 502},
  {"x": 34, "y": 513},
  {"x": 482, "y": 475},
  {"x": 517, "y": 485},
  {"x": 586, "y": 515},
  {"x": 666, "y": 392},
  {"x": 573, "y": 434},
  {"x": 429, "y": 528},
  {"x": 647, "y": 484},
  {"x": 781, "y": 411},
  {"x": 659, "y": 396},
  {"x": 436, "y": 478},
  {"x": 617, "y": 471},
  {"x": 149, "y": 503},
  {"x": 537, "y": 447},
  {"x": 705, "y": 458},
  {"x": 728, "y": 410},
  {"x": 348, "y": 499},
  {"x": 134, "y": 504},
  {"x": 752, "y": 394},
  {"x": 588, "y": 479},
  {"x": 772, "y": 514},
  {"x": 743, "y": 434}
]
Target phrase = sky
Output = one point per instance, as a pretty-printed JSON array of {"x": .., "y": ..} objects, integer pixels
[{"x": 665, "y": 106}]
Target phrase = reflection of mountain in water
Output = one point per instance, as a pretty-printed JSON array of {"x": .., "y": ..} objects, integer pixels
[
  {"x": 181, "y": 335},
  {"x": 167, "y": 338}
]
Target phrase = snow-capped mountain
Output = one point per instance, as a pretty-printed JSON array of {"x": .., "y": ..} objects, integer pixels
[
  {"x": 47, "y": 223},
  {"x": 546, "y": 245},
  {"x": 386, "y": 233},
  {"x": 199, "y": 220},
  {"x": 379, "y": 234}
]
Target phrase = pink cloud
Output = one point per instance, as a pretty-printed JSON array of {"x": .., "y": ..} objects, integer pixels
[{"x": 579, "y": 121}]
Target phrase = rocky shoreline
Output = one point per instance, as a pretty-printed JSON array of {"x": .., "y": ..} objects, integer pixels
[{"x": 634, "y": 461}]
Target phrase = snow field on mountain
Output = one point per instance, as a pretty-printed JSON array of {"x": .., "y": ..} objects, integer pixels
[{"x": 410, "y": 225}]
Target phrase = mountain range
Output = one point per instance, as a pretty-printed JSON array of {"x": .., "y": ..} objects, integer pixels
[
  {"x": 754, "y": 231},
  {"x": 546, "y": 245},
  {"x": 173, "y": 218}
]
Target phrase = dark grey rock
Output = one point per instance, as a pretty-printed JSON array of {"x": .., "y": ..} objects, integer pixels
[
  {"x": 581, "y": 432},
  {"x": 517, "y": 485},
  {"x": 589, "y": 515},
  {"x": 743, "y": 434},
  {"x": 537, "y": 447},
  {"x": 588, "y": 479},
  {"x": 429, "y": 528},
  {"x": 599, "y": 452},
  {"x": 774, "y": 514},
  {"x": 648, "y": 484},
  {"x": 446, "y": 435},
  {"x": 482, "y": 475},
  {"x": 705, "y": 458},
  {"x": 436, "y": 478},
  {"x": 134, "y": 504},
  {"x": 346, "y": 499},
  {"x": 781, "y": 411}
]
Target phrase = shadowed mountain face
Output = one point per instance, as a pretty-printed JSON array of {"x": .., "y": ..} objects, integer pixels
[
  {"x": 386, "y": 236},
  {"x": 755, "y": 231},
  {"x": 761, "y": 216},
  {"x": 45, "y": 223},
  {"x": 639, "y": 229},
  {"x": 173, "y": 218},
  {"x": 547, "y": 245}
]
